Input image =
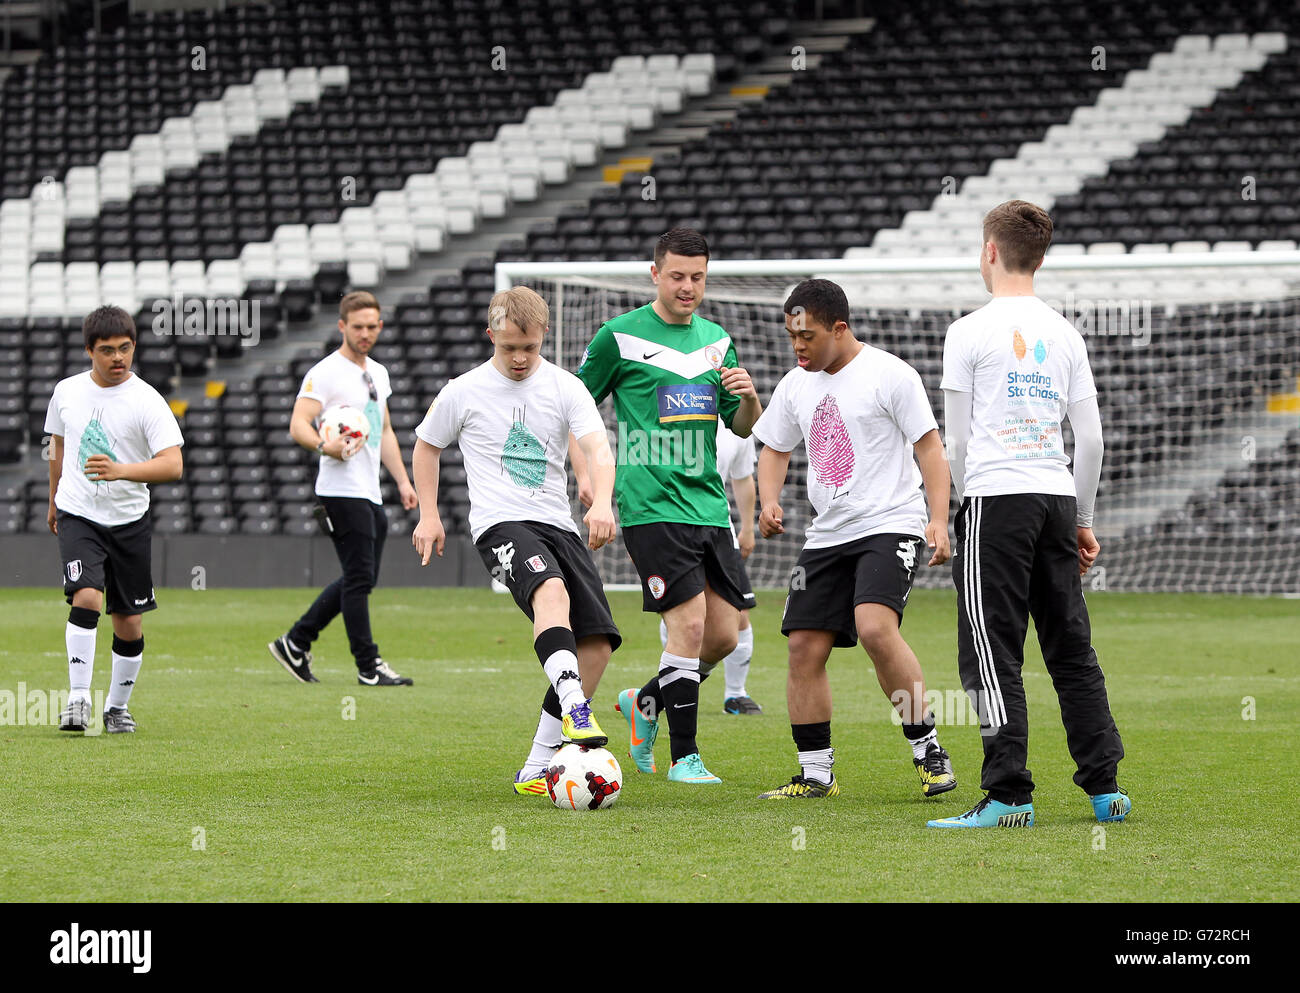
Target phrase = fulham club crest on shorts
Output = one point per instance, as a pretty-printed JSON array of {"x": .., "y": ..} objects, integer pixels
[
  {"x": 536, "y": 564},
  {"x": 74, "y": 570},
  {"x": 657, "y": 587}
]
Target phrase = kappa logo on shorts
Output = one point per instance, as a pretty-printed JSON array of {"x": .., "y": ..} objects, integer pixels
[
  {"x": 73, "y": 570},
  {"x": 536, "y": 563},
  {"x": 506, "y": 556},
  {"x": 657, "y": 587},
  {"x": 907, "y": 555}
]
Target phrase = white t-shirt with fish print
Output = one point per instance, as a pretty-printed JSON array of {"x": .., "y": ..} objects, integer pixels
[{"x": 514, "y": 438}]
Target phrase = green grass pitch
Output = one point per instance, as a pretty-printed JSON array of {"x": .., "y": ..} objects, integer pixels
[{"x": 243, "y": 784}]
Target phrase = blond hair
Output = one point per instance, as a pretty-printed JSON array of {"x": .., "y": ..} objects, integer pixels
[
  {"x": 1022, "y": 231},
  {"x": 356, "y": 300},
  {"x": 521, "y": 306}
]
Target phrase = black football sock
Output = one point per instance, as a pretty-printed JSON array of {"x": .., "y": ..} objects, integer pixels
[
  {"x": 920, "y": 735},
  {"x": 557, "y": 650},
  {"x": 679, "y": 681},
  {"x": 650, "y": 699},
  {"x": 813, "y": 744}
]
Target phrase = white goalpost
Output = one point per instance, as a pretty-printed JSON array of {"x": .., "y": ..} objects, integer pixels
[{"x": 1197, "y": 361}]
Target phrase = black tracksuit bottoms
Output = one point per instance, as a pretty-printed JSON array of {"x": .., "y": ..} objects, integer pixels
[{"x": 1016, "y": 557}]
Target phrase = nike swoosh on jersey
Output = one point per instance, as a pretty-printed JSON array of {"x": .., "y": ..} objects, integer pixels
[
  {"x": 690, "y": 365},
  {"x": 646, "y": 356}
]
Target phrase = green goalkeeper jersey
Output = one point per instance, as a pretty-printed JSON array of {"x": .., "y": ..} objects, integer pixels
[{"x": 668, "y": 396}]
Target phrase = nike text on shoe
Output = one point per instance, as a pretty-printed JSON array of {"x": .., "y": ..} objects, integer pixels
[
  {"x": 641, "y": 731},
  {"x": 530, "y": 783},
  {"x": 298, "y": 664},
  {"x": 740, "y": 705},
  {"x": 381, "y": 675},
  {"x": 75, "y": 716},
  {"x": 802, "y": 789},
  {"x": 690, "y": 769},
  {"x": 1111, "y": 806},
  {"x": 989, "y": 813},
  {"x": 579, "y": 726},
  {"x": 118, "y": 721},
  {"x": 936, "y": 771}
]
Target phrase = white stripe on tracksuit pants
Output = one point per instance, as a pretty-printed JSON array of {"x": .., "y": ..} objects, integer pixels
[{"x": 1016, "y": 557}]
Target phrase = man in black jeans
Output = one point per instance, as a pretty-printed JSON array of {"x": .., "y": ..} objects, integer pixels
[{"x": 347, "y": 486}]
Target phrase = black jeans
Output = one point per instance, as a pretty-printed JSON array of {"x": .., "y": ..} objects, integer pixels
[{"x": 360, "y": 528}]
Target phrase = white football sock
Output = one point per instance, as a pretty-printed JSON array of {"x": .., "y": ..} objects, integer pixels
[
  {"x": 920, "y": 745},
  {"x": 818, "y": 765},
  {"x": 663, "y": 633},
  {"x": 125, "y": 671},
  {"x": 81, "y": 660},
  {"x": 546, "y": 742},
  {"x": 737, "y": 663},
  {"x": 569, "y": 690}
]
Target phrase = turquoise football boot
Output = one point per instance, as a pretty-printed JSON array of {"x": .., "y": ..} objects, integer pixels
[
  {"x": 989, "y": 813},
  {"x": 641, "y": 731},
  {"x": 1111, "y": 806}
]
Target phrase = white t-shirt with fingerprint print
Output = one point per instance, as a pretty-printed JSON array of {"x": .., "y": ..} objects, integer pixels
[
  {"x": 859, "y": 425},
  {"x": 1024, "y": 365},
  {"x": 130, "y": 422},
  {"x": 514, "y": 440},
  {"x": 336, "y": 380}
]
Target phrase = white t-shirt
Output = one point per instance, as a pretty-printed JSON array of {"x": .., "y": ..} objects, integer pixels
[
  {"x": 514, "y": 439},
  {"x": 130, "y": 422},
  {"x": 336, "y": 380},
  {"x": 859, "y": 426},
  {"x": 736, "y": 459},
  {"x": 1024, "y": 364}
]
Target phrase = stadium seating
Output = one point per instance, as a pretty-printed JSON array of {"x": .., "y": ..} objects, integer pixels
[{"x": 323, "y": 146}]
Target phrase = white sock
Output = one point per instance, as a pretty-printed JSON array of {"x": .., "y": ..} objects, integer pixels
[
  {"x": 663, "y": 634},
  {"x": 124, "y": 672},
  {"x": 546, "y": 742},
  {"x": 737, "y": 663},
  {"x": 920, "y": 745},
  {"x": 568, "y": 689},
  {"x": 818, "y": 765},
  {"x": 81, "y": 660}
]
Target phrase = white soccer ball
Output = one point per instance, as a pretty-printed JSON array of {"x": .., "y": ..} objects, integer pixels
[
  {"x": 582, "y": 778},
  {"x": 342, "y": 421}
]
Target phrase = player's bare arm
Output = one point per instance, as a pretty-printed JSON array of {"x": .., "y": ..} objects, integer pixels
[
  {"x": 301, "y": 430},
  {"x": 600, "y": 463},
  {"x": 56, "y": 474},
  {"x": 390, "y": 454},
  {"x": 165, "y": 467},
  {"x": 933, "y": 461},
  {"x": 772, "y": 468},
  {"x": 429, "y": 535},
  {"x": 736, "y": 381},
  {"x": 746, "y": 497},
  {"x": 578, "y": 459}
]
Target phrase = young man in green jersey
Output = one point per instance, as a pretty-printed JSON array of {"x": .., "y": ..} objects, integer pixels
[{"x": 672, "y": 375}]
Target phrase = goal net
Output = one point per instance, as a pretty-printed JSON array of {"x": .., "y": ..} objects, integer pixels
[{"x": 1196, "y": 357}]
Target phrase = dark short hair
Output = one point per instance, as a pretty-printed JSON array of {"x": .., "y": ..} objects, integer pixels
[
  {"x": 821, "y": 300},
  {"x": 681, "y": 241},
  {"x": 103, "y": 323},
  {"x": 1022, "y": 231}
]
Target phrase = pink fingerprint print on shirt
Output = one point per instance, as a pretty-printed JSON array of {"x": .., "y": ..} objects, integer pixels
[{"x": 829, "y": 448}]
